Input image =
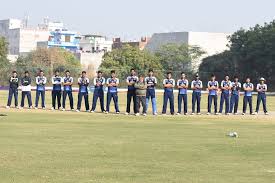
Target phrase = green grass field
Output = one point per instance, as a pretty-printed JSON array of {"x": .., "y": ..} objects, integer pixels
[{"x": 39, "y": 146}]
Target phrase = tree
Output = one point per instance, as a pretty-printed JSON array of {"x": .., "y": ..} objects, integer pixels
[
  {"x": 49, "y": 60},
  {"x": 251, "y": 53},
  {"x": 179, "y": 57},
  {"x": 122, "y": 60},
  {"x": 5, "y": 65}
]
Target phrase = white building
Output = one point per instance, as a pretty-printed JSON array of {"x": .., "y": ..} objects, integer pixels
[
  {"x": 95, "y": 43},
  {"x": 211, "y": 43},
  {"x": 22, "y": 39}
]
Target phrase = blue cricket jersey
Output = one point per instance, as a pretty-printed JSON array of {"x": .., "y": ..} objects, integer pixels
[
  {"x": 168, "y": 81},
  {"x": 68, "y": 88},
  {"x": 40, "y": 83},
  {"x": 248, "y": 85},
  {"x": 198, "y": 86},
  {"x": 83, "y": 84},
  {"x": 112, "y": 89},
  {"x": 224, "y": 84},
  {"x": 236, "y": 87},
  {"x": 182, "y": 82},
  {"x": 131, "y": 79},
  {"x": 56, "y": 80},
  {"x": 99, "y": 83},
  {"x": 211, "y": 84}
]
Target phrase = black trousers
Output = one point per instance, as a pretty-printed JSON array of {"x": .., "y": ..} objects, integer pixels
[
  {"x": 131, "y": 94},
  {"x": 140, "y": 100},
  {"x": 70, "y": 95},
  {"x": 56, "y": 95}
]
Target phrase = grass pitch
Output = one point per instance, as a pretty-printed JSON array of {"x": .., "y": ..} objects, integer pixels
[{"x": 67, "y": 147}]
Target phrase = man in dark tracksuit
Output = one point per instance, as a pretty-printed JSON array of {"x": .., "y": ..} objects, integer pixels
[
  {"x": 67, "y": 90},
  {"x": 182, "y": 96},
  {"x": 112, "y": 84},
  {"x": 99, "y": 82},
  {"x": 261, "y": 89},
  {"x": 57, "y": 90},
  {"x": 13, "y": 90},
  {"x": 226, "y": 87},
  {"x": 168, "y": 85},
  {"x": 196, "y": 86},
  {"x": 40, "y": 80},
  {"x": 235, "y": 95},
  {"x": 83, "y": 83},
  {"x": 131, "y": 93},
  {"x": 213, "y": 87},
  {"x": 26, "y": 90},
  {"x": 247, "y": 99}
]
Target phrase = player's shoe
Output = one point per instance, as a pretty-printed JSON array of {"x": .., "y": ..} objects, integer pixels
[
  {"x": 36, "y": 108},
  {"x": 126, "y": 113},
  {"x": 243, "y": 113},
  {"x": 178, "y": 113},
  {"x": 266, "y": 113},
  {"x": 192, "y": 113},
  {"x": 117, "y": 112},
  {"x": 92, "y": 111},
  {"x": 199, "y": 113},
  {"x": 8, "y": 107},
  {"x": 106, "y": 112},
  {"x": 52, "y": 109},
  {"x": 137, "y": 114},
  {"x": 155, "y": 114},
  {"x": 144, "y": 114},
  {"x": 77, "y": 110},
  {"x": 208, "y": 113}
]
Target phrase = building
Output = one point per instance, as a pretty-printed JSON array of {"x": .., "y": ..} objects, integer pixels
[
  {"x": 95, "y": 43},
  {"x": 117, "y": 43},
  {"x": 62, "y": 38},
  {"x": 211, "y": 43},
  {"x": 21, "y": 39}
]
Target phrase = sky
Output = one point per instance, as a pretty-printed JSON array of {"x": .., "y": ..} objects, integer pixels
[{"x": 131, "y": 19}]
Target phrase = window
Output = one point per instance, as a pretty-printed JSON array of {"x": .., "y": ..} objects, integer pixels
[{"x": 67, "y": 38}]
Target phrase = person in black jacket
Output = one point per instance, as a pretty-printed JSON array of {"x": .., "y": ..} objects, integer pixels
[
  {"x": 26, "y": 89},
  {"x": 13, "y": 89}
]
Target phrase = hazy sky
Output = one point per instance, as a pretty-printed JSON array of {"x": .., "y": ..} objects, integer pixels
[{"x": 131, "y": 19}]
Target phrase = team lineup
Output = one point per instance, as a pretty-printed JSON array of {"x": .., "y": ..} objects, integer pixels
[{"x": 141, "y": 90}]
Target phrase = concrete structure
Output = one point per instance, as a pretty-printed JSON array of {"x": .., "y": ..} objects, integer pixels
[
  {"x": 117, "y": 43},
  {"x": 21, "y": 40},
  {"x": 63, "y": 38},
  {"x": 90, "y": 61},
  {"x": 211, "y": 43},
  {"x": 95, "y": 44}
]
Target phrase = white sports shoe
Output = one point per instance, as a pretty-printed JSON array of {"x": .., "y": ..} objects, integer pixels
[
  {"x": 266, "y": 113},
  {"x": 155, "y": 114},
  {"x": 106, "y": 112},
  {"x": 144, "y": 114},
  {"x": 199, "y": 113},
  {"x": 137, "y": 114},
  {"x": 178, "y": 113},
  {"x": 192, "y": 113},
  {"x": 117, "y": 112},
  {"x": 52, "y": 109},
  {"x": 126, "y": 113},
  {"x": 7, "y": 107},
  {"x": 63, "y": 109},
  {"x": 92, "y": 111},
  {"x": 208, "y": 113},
  {"x": 77, "y": 110},
  {"x": 35, "y": 108}
]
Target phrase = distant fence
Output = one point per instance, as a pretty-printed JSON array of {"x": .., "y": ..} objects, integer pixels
[{"x": 91, "y": 90}]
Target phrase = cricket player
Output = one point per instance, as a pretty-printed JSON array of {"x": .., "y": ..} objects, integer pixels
[
  {"x": 40, "y": 80},
  {"x": 196, "y": 86},
  {"x": 99, "y": 83},
  {"x": 151, "y": 82},
  {"x": 213, "y": 87},
  {"x": 13, "y": 90},
  {"x": 235, "y": 94},
  {"x": 248, "y": 89},
  {"x": 141, "y": 88},
  {"x": 261, "y": 89},
  {"x": 225, "y": 87},
  {"x": 57, "y": 90},
  {"x": 112, "y": 84},
  {"x": 26, "y": 90},
  {"x": 131, "y": 93},
  {"x": 67, "y": 82},
  {"x": 182, "y": 84},
  {"x": 83, "y": 83},
  {"x": 168, "y": 85}
]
